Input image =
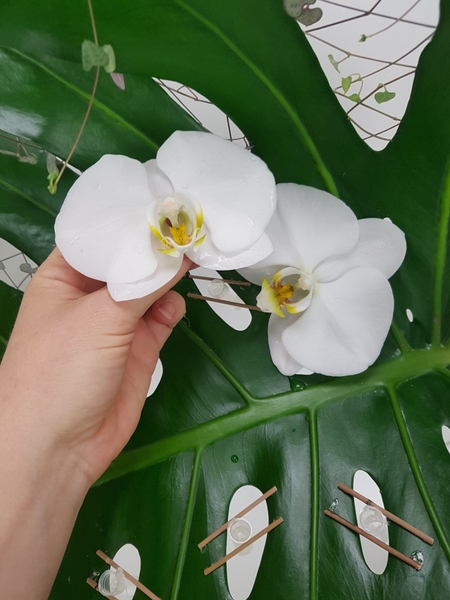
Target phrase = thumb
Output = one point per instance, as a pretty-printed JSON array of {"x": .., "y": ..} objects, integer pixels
[{"x": 128, "y": 312}]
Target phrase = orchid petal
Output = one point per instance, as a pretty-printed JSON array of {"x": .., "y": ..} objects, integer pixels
[
  {"x": 105, "y": 207},
  {"x": 280, "y": 357},
  {"x": 316, "y": 224},
  {"x": 158, "y": 182},
  {"x": 136, "y": 256},
  {"x": 284, "y": 252},
  {"x": 267, "y": 301},
  {"x": 304, "y": 371},
  {"x": 381, "y": 246},
  {"x": 210, "y": 257},
  {"x": 234, "y": 187},
  {"x": 343, "y": 330},
  {"x": 167, "y": 268}
]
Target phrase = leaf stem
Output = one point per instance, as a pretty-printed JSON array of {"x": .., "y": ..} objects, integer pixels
[
  {"x": 416, "y": 471},
  {"x": 315, "y": 487},
  {"x": 440, "y": 256}
]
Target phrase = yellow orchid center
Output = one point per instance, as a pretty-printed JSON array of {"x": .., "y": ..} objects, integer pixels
[
  {"x": 177, "y": 225},
  {"x": 283, "y": 292},
  {"x": 179, "y": 235},
  {"x": 293, "y": 295}
]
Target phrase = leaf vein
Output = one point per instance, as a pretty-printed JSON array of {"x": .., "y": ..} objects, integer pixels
[
  {"x": 440, "y": 257},
  {"x": 416, "y": 471}
]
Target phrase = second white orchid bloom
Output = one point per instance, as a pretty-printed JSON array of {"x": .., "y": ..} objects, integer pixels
[
  {"x": 326, "y": 283},
  {"x": 130, "y": 224}
]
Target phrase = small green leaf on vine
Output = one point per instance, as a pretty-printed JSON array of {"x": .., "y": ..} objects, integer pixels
[
  {"x": 52, "y": 185},
  {"x": 363, "y": 38},
  {"x": 355, "y": 98},
  {"x": 346, "y": 82},
  {"x": 111, "y": 66},
  {"x": 310, "y": 16},
  {"x": 93, "y": 55},
  {"x": 294, "y": 7},
  {"x": 334, "y": 62},
  {"x": 385, "y": 96}
]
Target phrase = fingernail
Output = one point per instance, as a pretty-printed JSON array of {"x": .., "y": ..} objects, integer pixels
[{"x": 167, "y": 309}]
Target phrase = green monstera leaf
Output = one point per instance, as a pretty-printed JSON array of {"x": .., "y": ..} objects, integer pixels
[{"x": 223, "y": 416}]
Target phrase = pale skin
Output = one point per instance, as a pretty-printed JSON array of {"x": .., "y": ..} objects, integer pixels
[{"x": 73, "y": 382}]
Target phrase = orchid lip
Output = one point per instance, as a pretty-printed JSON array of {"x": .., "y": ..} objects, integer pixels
[
  {"x": 177, "y": 225},
  {"x": 290, "y": 289}
]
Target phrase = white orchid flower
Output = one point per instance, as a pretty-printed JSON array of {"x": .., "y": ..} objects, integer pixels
[
  {"x": 326, "y": 283},
  {"x": 130, "y": 224}
]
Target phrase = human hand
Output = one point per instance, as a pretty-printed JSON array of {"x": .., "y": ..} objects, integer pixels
[{"x": 78, "y": 365}]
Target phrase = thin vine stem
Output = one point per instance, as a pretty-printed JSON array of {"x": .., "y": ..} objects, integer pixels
[
  {"x": 397, "y": 61},
  {"x": 378, "y": 60},
  {"x": 374, "y": 91},
  {"x": 394, "y": 23},
  {"x": 373, "y": 135},
  {"x": 365, "y": 14},
  {"x": 94, "y": 28},
  {"x": 91, "y": 100},
  {"x": 371, "y": 108},
  {"x": 382, "y": 16},
  {"x": 83, "y": 125}
]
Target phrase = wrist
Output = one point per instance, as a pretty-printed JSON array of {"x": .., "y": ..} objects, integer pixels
[{"x": 42, "y": 492}]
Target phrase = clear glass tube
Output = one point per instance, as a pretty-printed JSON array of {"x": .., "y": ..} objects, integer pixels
[
  {"x": 112, "y": 582},
  {"x": 372, "y": 520},
  {"x": 240, "y": 531}
]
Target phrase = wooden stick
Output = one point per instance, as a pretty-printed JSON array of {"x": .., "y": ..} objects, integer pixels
[
  {"x": 94, "y": 585},
  {"x": 356, "y": 529},
  {"x": 230, "y": 281},
  {"x": 423, "y": 536},
  {"x": 243, "y": 512},
  {"x": 245, "y": 545},
  {"x": 209, "y": 299},
  {"x": 133, "y": 580}
]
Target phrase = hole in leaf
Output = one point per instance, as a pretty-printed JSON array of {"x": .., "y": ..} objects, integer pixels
[
  {"x": 237, "y": 318},
  {"x": 446, "y": 436},
  {"x": 156, "y": 378},
  {"x": 243, "y": 568},
  {"x": 129, "y": 559},
  {"x": 375, "y": 557},
  {"x": 16, "y": 269}
]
